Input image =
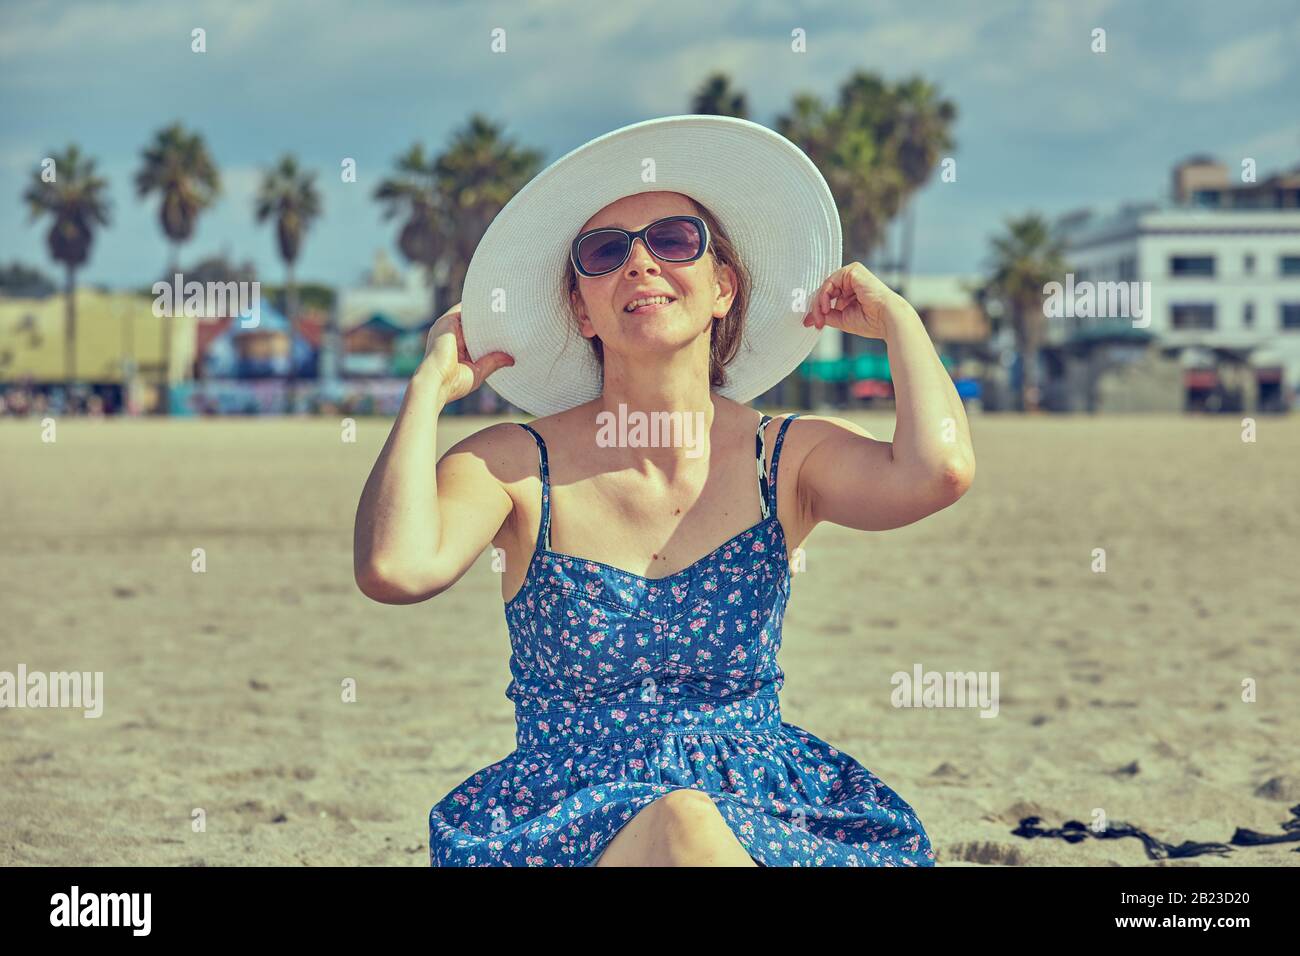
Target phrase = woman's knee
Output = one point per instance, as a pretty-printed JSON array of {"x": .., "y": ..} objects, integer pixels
[
  {"x": 689, "y": 825},
  {"x": 681, "y": 828}
]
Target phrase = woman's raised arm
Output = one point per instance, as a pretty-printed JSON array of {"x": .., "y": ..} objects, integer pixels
[
  {"x": 850, "y": 478},
  {"x": 421, "y": 522}
]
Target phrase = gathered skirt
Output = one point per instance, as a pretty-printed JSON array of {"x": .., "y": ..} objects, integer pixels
[{"x": 790, "y": 798}]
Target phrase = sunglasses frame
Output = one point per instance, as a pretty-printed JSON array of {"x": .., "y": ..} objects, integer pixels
[{"x": 632, "y": 237}]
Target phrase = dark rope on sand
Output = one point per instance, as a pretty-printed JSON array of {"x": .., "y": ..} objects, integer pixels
[{"x": 1073, "y": 831}]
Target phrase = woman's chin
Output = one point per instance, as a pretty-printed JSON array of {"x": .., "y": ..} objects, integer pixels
[{"x": 640, "y": 344}]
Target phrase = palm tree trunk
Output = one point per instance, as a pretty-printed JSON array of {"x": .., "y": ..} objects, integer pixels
[
  {"x": 291, "y": 306},
  {"x": 909, "y": 239},
  {"x": 894, "y": 258},
  {"x": 1030, "y": 396},
  {"x": 172, "y": 268},
  {"x": 1033, "y": 395},
  {"x": 456, "y": 280},
  {"x": 70, "y": 326},
  {"x": 128, "y": 360}
]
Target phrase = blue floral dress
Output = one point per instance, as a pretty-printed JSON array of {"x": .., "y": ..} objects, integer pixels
[{"x": 627, "y": 688}]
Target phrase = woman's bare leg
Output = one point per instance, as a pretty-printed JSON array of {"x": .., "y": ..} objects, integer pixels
[{"x": 682, "y": 828}]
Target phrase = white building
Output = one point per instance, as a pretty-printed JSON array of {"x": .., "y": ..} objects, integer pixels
[
  {"x": 1228, "y": 277},
  {"x": 1222, "y": 264}
]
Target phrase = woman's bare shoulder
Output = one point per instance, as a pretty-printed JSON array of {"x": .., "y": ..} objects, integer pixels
[
  {"x": 569, "y": 422},
  {"x": 504, "y": 449}
]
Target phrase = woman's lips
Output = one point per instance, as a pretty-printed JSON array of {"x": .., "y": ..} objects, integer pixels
[{"x": 650, "y": 309}]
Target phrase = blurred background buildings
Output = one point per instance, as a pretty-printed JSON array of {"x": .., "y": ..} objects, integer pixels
[{"x": 1220, "y": 251}]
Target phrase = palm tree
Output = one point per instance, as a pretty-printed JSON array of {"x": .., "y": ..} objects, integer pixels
[
  {"x": 75, "y": 199},
  {"x": 413, "y": 192},
  {"x": 876, "y": 147},
  {"x": 717, "y": 97},
  {"x": 479, "y": 173},
  {"x": 179, "y": 168},
  {"x": 847, "y": 144},
  {"x": 450, "y": 200},
  {"x": 289, "y": 194},
  {"x": 922, "y": 136},
  {"x": 1025, "y": 258},
  {"x": 924, "y": 129}
]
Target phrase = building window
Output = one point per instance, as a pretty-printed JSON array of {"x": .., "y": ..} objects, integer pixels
[
  {"x": 1199, "y": 315},
  {"x": 1191, "y": 266},
  {"x": 1248, "y": 264},
  {"x": 1291, "y": 316},
  {"x": 1288, "y": 265},
  {"x": 1128, "y": 268},
  {"x": 1248, "y": 315}
]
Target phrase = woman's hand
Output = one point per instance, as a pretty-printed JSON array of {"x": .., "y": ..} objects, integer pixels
[
  {"x": 447, "y": 363},
  {"x": 853, "y": 299}
]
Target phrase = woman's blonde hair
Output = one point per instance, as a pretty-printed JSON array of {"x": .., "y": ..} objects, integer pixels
[{"x": 724, "y": 337}]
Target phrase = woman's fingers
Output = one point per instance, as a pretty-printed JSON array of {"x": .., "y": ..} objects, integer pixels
[
  {"x": 831, "y": 299},
  {"x": 491, "y": 363},
  {"x": 816, "y": 307},
  {"x": 446, "y": 352},
  {"x": 838, "y": 295}
]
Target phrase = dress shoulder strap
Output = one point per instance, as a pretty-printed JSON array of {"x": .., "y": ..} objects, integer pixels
[
  {"x": 766, "y": 486},
  {"x": 761, "y": 461},
  {"x": 544, "y": 526}
]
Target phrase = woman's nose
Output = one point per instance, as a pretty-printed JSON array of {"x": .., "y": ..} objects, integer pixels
[{"x": 640, "y": 258}]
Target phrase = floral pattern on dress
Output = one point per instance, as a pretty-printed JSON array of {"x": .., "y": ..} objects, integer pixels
[{"x": 627, "y": 688}]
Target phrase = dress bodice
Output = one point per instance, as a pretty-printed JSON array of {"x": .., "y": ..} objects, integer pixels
[{"x": 595, "y": 644}]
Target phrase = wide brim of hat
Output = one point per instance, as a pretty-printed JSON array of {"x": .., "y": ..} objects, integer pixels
[{"x": 764, "y": 191}]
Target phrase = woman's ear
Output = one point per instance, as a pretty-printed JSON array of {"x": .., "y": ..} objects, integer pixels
[
  {"x": 584, "y": 323},
  {"x": 724, "y": 289}
]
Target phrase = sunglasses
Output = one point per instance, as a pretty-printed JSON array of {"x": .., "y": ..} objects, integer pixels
[{"x": 672, "y": 239}]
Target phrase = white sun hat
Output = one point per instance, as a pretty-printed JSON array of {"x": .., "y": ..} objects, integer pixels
[{"x": 764, "y": 191}]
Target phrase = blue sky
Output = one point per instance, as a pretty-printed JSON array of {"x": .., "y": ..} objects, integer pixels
[{"x": 1045, "y": 124}]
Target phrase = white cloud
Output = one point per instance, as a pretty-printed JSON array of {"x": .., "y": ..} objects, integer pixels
[
  {"x": 20, "y": 159},
  {"x": 1240, "y": 66},
  {"x": 1273, "y": 150}
]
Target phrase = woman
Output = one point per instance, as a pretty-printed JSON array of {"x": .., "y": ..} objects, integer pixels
[{"x": 643, "y": 651}]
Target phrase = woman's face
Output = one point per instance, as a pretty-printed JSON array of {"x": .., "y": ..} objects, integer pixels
[{"x": 701, "y": 290}]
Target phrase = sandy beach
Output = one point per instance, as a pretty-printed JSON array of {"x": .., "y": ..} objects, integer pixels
[{"x": 224, "y": 690}]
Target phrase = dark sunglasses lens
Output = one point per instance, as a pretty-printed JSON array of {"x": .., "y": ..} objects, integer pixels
[
  {"x": 676, "y": 240},
  {"x": 602, "y": 252}
]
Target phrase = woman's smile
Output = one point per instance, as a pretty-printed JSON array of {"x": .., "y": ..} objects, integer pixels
[{"x": 657, "y": 306}]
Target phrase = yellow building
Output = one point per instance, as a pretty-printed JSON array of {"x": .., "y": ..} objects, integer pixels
[{"x": 113, "y": 331}]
